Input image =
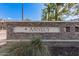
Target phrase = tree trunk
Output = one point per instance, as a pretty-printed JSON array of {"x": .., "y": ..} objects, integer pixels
[{"x": 56, "y": 13}]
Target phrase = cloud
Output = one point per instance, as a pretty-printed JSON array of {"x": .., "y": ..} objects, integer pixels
[{"x": 9, "y": 18}]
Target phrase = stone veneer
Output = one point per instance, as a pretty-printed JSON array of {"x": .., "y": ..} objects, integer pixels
[
  {"x": 54, "y": 36},
  {"x": 61, "y": 35}
]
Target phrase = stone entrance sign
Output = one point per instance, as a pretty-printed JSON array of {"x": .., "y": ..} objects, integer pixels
[{"x": 57, "y": 33}]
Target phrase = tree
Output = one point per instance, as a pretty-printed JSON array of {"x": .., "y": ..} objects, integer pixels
[
  {"x": 57, "y": 11},
  {"x": 35, "y": 48},
  {"x": 47, "y": 12}
]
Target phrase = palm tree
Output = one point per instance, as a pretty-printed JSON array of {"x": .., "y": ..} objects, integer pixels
[
  {"x": 47, "y": 11},
  {"x": 56, "y": 11},
  {"x": 34, "y": 48}
]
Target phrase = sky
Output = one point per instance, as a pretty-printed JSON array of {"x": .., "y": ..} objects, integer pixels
[
  {"x": 33, "y": 11},
  {"x": 10, "y": 11},
  {"x": 13, "y": 11}
]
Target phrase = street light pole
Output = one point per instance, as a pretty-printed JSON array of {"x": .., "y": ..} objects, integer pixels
[{"x": 22, "y": 11}]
